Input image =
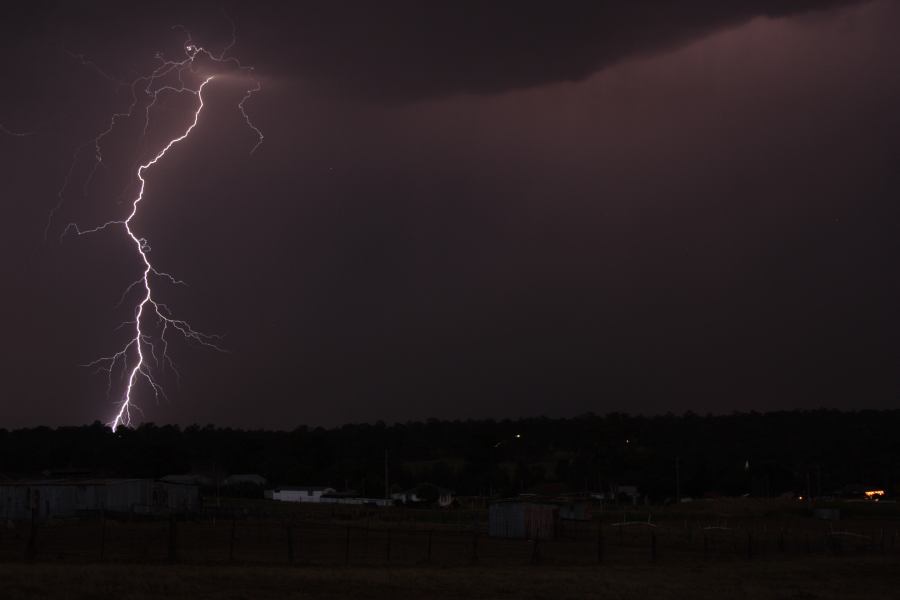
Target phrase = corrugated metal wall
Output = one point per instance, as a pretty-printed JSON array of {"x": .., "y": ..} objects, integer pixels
[
  {"x": 124, "y": 495},
  {"x": 177, "y": 497},
  {"x": 576, "y": 511},
  {"x": 46, "y": 499},
  {"x": 506, "y": 520},
  {"x": 15, "y": 502},
  {"x": 66, "y": 499},
  {"x": 522, "y": 520},
  {"x": 540, "y": 521}
]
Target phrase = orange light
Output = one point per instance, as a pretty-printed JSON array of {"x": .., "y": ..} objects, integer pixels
[{"x": 874, "y": 493}]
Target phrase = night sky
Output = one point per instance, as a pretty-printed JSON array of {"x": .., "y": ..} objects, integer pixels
[{"x": 464, "y": 209}]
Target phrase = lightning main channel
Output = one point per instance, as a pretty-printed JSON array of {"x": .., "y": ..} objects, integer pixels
[
  {"x": 147, "y": 349},
  {"x": 124, "y": 414}
]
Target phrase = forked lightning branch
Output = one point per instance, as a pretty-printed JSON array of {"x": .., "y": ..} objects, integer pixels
[{"x": 145, "y": 355}]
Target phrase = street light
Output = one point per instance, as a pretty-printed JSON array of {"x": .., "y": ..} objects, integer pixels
[{"x": 501, "y": 442}]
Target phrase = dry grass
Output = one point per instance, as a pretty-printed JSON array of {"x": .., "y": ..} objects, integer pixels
[{"x": 812, "y": 579}]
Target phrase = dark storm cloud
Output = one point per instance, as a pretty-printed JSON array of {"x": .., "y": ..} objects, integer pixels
[
  {"x": 411, "y": 50},
  {"x": 405, "y": 49}
]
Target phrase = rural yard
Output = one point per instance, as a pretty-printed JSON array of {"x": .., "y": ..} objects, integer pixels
[
  {"x": 734, "y": 549},
  {"x": 812, "y": 579}
]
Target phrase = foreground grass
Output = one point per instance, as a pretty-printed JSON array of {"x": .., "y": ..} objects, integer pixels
[{"x": 823, "y": 579}]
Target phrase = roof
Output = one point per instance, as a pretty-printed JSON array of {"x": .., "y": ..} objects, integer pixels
[
  {"x": 303, "y": 488},
  {"x": 245, "y": 478}
]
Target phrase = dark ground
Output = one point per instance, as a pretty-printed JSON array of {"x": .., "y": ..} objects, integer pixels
[{"x": 811, "y": 579}]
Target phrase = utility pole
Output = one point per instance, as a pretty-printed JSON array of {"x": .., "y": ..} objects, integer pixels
[
  {"x": 677, "y": 480},
  {"x": 216, "y": 476},
  {"x": 808, "y": 489}
]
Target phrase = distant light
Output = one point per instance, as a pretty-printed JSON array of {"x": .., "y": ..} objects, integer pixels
[
  {"x": 874, "y": 494},
  {"x": 518, "y": 435},
  {"x": 800, "y": 498}
]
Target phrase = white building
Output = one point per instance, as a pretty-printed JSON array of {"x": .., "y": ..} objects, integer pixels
[
  {"x": 445, "y": 497},
  {"x": 309, "y": 493},
  {"x": 352, "y": 498}
]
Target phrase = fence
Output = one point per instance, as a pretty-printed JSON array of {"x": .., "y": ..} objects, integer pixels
[{"x": 376, "y": 543}]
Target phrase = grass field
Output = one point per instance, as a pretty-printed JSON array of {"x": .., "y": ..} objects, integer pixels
[{"x": 811, "y": 579}]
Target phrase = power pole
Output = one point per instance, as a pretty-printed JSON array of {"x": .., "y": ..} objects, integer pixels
[
  {"x": 677, "y": 480},
  {"x": 808, "y": 489}
]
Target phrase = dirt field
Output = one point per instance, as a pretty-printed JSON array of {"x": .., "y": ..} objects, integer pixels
[
  {"x": 811, "y": 579},
  {"x": 725, "y": 550}
]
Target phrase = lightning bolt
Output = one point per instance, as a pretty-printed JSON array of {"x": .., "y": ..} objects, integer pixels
[{"x": 146, "y": 352}]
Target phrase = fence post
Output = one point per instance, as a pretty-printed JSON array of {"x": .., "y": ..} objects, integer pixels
[
  {"x": 536, "y": 551},
  {"x": 173, "y": 539},
  {"x": 428, "y": 552},
  {"x": 600, "y": 543},
  {"x": 231, "y": 541},
  {"x": 365, "y": 552},
  {"x": 347, "y": 547},
  {"x": 388, "y": 550},
  {"x": 652, "y": 546},
  {"x": 475, "y": 547},
  {"x": 102, "y": 533},
  {"x": 31, "y": 546},
  {"x": 290, "y": 544}
]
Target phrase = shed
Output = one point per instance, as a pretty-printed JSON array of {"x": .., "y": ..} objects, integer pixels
[
  {"x": 523, "y": 520},
  {"x": 575, "y": 511},
  {"x": 174, "y": 497},
  {"x": 68, "y": 498}
]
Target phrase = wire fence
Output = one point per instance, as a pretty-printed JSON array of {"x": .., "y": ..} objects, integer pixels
[{"x": 380, "y": 543}]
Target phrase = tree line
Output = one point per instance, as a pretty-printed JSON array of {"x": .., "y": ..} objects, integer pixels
[{"x": 760, "y": 454}]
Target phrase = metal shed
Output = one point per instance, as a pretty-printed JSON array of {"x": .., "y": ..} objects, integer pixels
[
  {"x": 523, "y": 520},
  {"x": 175, "y": 497},
  {"x": 68, "y": 498},
  {"x": 575, "y": 511}
]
